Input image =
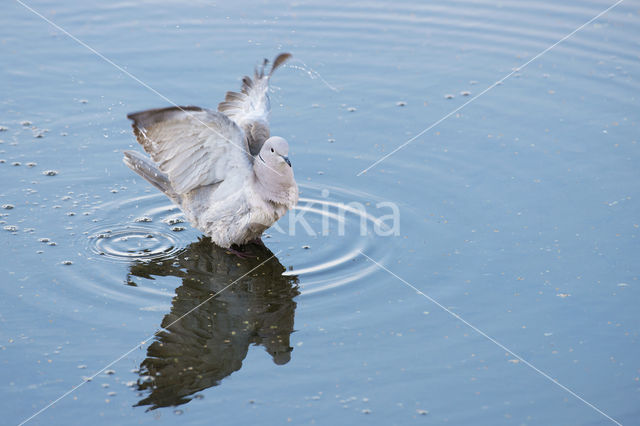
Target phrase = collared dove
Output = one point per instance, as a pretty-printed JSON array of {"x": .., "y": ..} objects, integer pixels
[{"x": 229, "y": 177}]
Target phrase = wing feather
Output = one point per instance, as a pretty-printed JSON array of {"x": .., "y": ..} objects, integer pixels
[
  {"x": 250, "y": 107},
  {"x": 193, "y": 146}
]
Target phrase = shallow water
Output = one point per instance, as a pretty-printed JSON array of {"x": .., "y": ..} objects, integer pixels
[{"x": 519, "y": 213}]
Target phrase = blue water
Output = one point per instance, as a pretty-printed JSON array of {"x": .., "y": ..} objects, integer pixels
[{"x": 519, "y": 214}]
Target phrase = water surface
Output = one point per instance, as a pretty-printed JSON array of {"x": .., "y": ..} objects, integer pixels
[{"x": 519, "y": 213}]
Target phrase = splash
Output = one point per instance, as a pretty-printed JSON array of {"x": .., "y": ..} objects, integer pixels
[{"x": 313, "y": 74}]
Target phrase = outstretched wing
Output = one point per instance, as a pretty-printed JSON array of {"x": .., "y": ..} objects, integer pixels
[
  {"x": 192, "y": 145},
  {"x": 250, "y": 108}
]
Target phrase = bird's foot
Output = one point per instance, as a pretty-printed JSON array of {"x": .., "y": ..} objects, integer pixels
[{"x": 241, "y": 254}]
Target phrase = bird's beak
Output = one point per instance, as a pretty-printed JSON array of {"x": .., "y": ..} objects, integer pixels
[{"x": 286, "y": 160}]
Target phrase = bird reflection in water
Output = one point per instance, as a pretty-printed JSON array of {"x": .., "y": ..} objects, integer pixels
[{"x": 211, "y": 342}]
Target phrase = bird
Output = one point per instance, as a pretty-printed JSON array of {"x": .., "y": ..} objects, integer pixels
[{"x": 225, "y": 171}]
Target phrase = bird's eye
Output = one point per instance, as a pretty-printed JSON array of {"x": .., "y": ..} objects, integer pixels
[{"x": 272, "y": 150}]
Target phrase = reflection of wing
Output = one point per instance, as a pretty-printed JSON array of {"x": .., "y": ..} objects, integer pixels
[
  {"x": 250, "y": 108},
  {"x": 193, "y": 146},
  {"x": 211, "y": 342}
]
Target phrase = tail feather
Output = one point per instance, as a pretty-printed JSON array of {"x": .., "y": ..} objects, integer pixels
[{"x": 142, "y": 165}]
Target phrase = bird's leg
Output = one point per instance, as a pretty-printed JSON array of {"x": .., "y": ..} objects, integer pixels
[{"x": 241, "y": 254}]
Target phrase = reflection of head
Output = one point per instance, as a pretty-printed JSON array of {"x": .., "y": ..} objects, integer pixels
[{"x": 211, "y": 342}]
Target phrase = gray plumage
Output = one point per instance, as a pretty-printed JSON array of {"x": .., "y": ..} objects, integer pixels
[{"x": 230, "y": 178}]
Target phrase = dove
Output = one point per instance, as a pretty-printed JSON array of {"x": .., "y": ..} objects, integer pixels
[{"x": 229, "y": 176}]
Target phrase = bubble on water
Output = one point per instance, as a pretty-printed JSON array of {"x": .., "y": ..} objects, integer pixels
[
  {"x": 110, "y": 372},
  {"x": 146, "y": 379},
  {"x": 465, "y": 93},
  {"x": 11, "y": 228},
  {"x": 449, "y": 96},
  {"x": 67, "y": 262},
  {"x": 401, "y": 103},
  {"x": 50, "y": 172},
  {"x": 173, "y": 221},
  {"x": 178, "y": 228},
  {"x": 143, "y": 219},
  {"x": 31, "y": 164},
  {"x": 422, "y": 412},
  {"x": 16, "y": 163},
  {"x": 352, "y": 109},
  {"x": 8, "y": 206},
  {"x": 25, "y": 123}
]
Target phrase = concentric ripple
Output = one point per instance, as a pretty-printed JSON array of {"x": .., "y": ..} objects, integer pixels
[
  {"x": 335, "y": 226},
  {"x": 320, "y": 240},
  {"x": 134, "y": 243},
  {"x": 143, "y": 228}
]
